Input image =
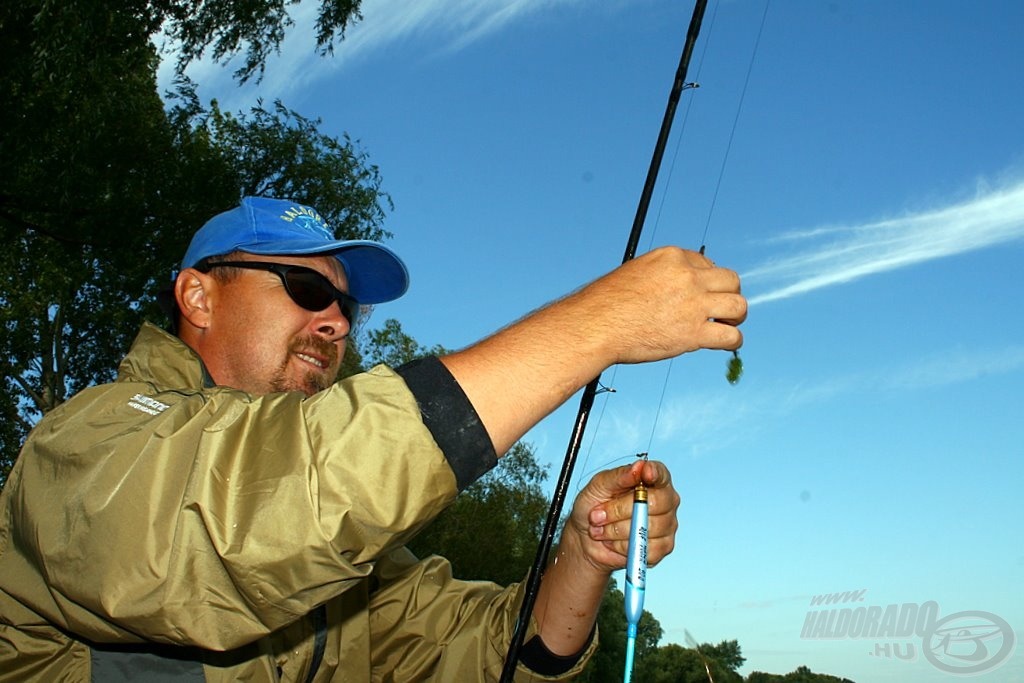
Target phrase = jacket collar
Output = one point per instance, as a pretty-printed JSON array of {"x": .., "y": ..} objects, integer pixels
[{"x": 160, "y": 357}]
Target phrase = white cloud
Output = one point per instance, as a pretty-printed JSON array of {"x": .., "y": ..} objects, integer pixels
[
  {"x": 955, "y": 366},
  {"x": 840, "y": 254},
  {"x": 704, "y": 422},
  {"x": 437, "y": 26}
]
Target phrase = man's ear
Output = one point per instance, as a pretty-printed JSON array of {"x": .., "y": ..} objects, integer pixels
[{"x": 192, "y": 292}]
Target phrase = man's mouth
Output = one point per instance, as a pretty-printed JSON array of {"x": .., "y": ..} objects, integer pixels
[{"x": 313, "y": 360}]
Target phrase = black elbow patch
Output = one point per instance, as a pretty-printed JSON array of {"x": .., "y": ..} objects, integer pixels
[{"x": 451, "y": 419}]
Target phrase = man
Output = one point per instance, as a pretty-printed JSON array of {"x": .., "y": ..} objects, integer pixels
[{"x": 226, "y": 511}]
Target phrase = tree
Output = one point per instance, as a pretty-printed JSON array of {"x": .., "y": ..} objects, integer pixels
[
  {"x": 102, "y": 183},
  {"x": 492, "y": 529},
  {"x": 726, "y": 654},
  {"x": 391, "y": 346},
  {"x": 260, "y": 24},
  {"x": 801, "y": 674},
  {"x": 674, "y": 663}
]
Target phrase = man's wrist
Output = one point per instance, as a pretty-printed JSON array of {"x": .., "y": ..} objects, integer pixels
[
  {"x": 572, "y": 552},
  {"x": 539, "y": 659}
]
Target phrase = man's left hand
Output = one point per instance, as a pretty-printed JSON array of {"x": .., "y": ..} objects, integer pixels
[{"x": 602, "y": 512}]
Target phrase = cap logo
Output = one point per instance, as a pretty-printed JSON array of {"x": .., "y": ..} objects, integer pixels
[{"x": 307, "y": 219}]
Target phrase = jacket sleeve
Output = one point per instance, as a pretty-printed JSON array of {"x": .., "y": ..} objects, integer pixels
[
  {"x": 212, "y": 518},
  {"x": 427, "y": 625}
]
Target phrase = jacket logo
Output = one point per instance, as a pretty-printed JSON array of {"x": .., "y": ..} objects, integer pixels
[{"x": 146, "y": 404}]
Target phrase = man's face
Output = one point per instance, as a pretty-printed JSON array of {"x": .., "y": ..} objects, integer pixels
[{"x": 261, "y": 341}]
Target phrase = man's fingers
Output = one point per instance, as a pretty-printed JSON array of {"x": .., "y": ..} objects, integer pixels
[
  {"x": 720, "y": 336},
  {"x": 662, "y": 498},
  {"x": 657, "y": 549},
  {"x": 610, "y": 484},
  {"x": 608, "y": 521},
  {"x": 655, "y": 474},
  {"x": 721, "y": 280},
  {"x": 613, "y": 488},
  {"x": 726, "y": 308},
  {"x": 659, "y": 524}
]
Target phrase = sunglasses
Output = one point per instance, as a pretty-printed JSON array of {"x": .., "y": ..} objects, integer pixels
[{"x": 306, "y": 287}]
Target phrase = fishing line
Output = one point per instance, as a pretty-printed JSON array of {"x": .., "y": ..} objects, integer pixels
[
  {"x": 661, "y": 402},
  {"x": 735, "y": 365},
  {"x": 682, "y": 130},
  {"x": 734, "y": 368},
  {"x": 636, "y": 564},
  {"x": 661, "y": 206},
  {"x": 654, "y": 231},
  {"x": 735, "y": 121}
]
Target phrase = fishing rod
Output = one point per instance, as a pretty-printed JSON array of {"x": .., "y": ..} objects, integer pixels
[{"x": 587, "y": 399}]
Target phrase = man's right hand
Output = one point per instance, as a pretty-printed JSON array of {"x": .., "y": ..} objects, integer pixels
[
  {"x": 662, "y": 304},
  {"x": 667, "y": 302}
]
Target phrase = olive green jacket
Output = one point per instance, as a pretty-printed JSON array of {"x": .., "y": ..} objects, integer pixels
[{"x": 163, "y": 525}]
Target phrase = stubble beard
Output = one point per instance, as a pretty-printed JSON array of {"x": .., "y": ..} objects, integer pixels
[{"x": 312, "y": 382}]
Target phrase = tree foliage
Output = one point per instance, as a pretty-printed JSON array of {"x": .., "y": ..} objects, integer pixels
[
  {"x": 225, "y": 26},
  {"x": 801, "y": 674},
  {"x": 674, "y": 663},
  {"x": 492, "y": 529},
  {"x": 391, "y": 346},
  {"x": 726, "y": 656},
  {"x": 102, "y": 182}
]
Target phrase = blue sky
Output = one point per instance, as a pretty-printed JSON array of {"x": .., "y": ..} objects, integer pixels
[{"x": 872, "y": 198}]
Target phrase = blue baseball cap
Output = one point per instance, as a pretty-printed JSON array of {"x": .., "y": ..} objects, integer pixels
[{"x": 280, "y": 227}]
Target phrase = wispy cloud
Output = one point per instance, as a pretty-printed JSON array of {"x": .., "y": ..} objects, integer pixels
[
  {"x": 434, "y": 26},
  {"x": 704, "y": 422},
  {"x": 450, "y": 24},
  {"x": 955, "y": 366},
  {"x": 838, "y": 254}
]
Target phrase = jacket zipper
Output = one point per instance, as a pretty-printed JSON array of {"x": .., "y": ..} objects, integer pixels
[{"x": 319, "y": 618}]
